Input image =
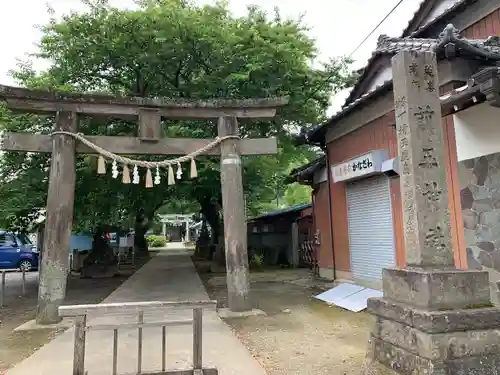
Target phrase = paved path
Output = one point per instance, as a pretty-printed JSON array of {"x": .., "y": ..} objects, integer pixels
[{"x": 169, "y": 276}]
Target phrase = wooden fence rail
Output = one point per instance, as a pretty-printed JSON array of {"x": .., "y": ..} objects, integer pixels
[
  {"x": 3, "y": 283},
  {"x": 80, "y": 312}
]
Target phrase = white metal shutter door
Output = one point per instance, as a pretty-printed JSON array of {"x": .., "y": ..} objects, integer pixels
[{"x": 371, "y": 235}]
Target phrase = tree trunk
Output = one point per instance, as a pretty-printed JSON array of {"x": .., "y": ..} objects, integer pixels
[
  {"x": 203, "y": 243},
  {"x": 210, "y": 211},
  {"x": 141, "y": 226}
]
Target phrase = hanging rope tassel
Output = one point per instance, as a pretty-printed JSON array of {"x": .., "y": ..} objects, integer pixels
[
  {"x": 179, "y": 171},
  {"x": 194, "y": 171},
  {"x": 149, "y": 179},
  {"x": 135, "y": 175},
  {"x": 126, "y": 174},
  {"x": 157, "y": 176},
  {"x": 171, "y": 179},
  {"x": 114, "y": 169},
  {"x": 101, "y": 165}
]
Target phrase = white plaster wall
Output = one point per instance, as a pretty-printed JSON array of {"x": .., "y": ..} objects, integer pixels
[{"x": 477, "y": 131}]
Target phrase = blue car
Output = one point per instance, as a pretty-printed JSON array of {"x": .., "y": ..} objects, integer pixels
[{"x": 17, "y": 251}]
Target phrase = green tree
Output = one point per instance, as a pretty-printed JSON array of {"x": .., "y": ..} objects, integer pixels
[
  {"x": 170, "y": 48},
  {"x": 296, "y": 194}
]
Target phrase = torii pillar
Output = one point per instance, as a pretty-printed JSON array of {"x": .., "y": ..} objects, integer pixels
[
  {"x": 433, "y": 318},
  {"x": 235, "y": 226}
]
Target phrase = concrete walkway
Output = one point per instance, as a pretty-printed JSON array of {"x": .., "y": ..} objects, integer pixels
[{"x": 169, "y": 276}]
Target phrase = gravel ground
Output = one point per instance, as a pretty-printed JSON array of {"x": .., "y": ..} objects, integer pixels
[
  {"x": 15, "y": 346},
  {"x": 299, "y": 335}
]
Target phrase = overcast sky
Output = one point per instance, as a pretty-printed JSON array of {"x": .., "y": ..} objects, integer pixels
[{"x": 337, "y": 25}]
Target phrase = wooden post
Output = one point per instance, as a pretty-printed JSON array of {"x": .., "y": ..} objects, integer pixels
[
  {"x": 140, "y": 320},
  {"x": 115, "y": 351},
  {"x": 79, "y": 345},
  {"x": 59, "y": 221},
  {"x": 2, "y": 289},
  {"x": 294, "y": 256},
  {"x": 233, "y": 206},
  {"x": 197, "y": 338},
  {"x": 23, "y": 272}
]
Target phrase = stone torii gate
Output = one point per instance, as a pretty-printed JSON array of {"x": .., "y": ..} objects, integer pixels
[
  {"x": 176, "y": 219},
  {"x": 67, "y": 109}
]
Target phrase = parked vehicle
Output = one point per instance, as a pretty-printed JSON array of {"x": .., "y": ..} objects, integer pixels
[{"x": 17, "y": 251}]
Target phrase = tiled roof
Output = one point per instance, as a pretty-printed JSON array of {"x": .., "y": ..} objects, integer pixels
[
  {"x": 488, "y": 49},
  {"x": 420, "y": 8},
  {"x": 393, "y": 45},
  {"x": 306, "y": 171},
  {"x": 450, "y": 11},
  {"x": 288, "y": 210},
  {"x": 315, "y": 134}
]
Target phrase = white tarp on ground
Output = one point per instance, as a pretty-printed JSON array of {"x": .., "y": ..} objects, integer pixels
[{"x": 349, "y": 296}]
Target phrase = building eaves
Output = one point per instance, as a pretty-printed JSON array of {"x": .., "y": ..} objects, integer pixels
[
  {"x": 450, "y": 12},
  {"x": 488, "y": 49},
  {"x": 284, "y": 211},
  {"x": 461, "y": 98},
  {"x": 458, "y": 7},
  {"x": 361, "y": 78},
  {"x": 316, "y": 134},
  {"x": 423, "y": 5},
  {"x": 484, "y": 86},
  {"x": 305, "y": 172}
]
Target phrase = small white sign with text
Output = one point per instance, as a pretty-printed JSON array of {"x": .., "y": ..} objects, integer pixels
[{"x": 363, "y": 165}]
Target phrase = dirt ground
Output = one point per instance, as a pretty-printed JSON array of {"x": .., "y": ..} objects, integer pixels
[
  {"x": 15, "y": 346},
  {"x": 299, "y": 335}
]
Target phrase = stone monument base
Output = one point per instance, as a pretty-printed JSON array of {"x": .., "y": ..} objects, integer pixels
[
  {"x": 417, "y": 342},
  {"x": 435, "y": 322}
]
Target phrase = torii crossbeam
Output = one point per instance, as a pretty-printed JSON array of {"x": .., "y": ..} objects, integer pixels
[{"x": 68, "y": 107}]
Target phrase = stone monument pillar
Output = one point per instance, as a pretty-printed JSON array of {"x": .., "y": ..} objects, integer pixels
[{"x": 433, "y": 318}]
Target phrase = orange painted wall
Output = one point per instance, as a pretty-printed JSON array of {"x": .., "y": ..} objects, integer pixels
[
  {"x": 322, "y": 224},
  {"x": 488, "y": 26},
  {"x": 381, "y": 134}
]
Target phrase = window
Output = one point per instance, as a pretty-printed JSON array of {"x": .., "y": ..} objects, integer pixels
[
  {"x": 7, "y": 240},
  {"x": 23, "y": 239}
]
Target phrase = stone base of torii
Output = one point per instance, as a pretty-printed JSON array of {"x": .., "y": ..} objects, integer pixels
[{"x": 433, "y": 318}]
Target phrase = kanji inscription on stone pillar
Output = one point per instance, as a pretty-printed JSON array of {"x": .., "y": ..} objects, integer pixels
[{"x": 426, "y": 217}]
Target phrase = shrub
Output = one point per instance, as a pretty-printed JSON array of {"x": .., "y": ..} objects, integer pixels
[
  {"x": 256, "y": 261},
  {"x": 156, "y": 241}
]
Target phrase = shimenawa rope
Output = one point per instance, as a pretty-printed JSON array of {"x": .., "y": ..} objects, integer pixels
[{"x": 143, "y": 163}]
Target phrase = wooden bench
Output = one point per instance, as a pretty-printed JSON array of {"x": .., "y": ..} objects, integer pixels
[{"x": 80, "y": 313}]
